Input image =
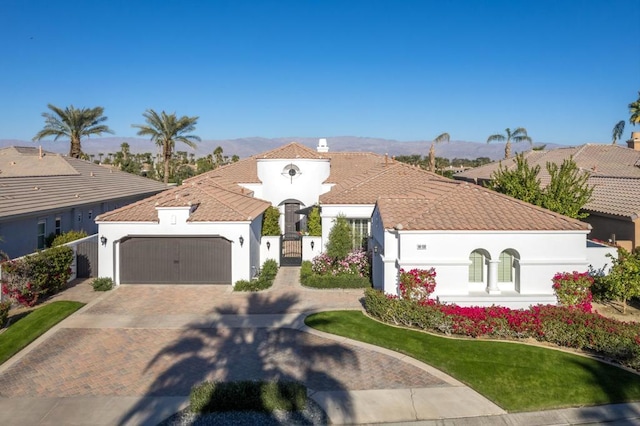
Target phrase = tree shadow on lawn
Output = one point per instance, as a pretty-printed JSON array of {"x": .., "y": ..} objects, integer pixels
[
  {"x": 236, "y": 347},
  {"x": 616, "y": 390}
]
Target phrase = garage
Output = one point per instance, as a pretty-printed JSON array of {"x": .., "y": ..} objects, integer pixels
[{"x": 175, "y": 260}]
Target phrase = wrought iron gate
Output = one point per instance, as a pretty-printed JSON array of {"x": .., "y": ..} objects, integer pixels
[{"x": 291, "y": 249}]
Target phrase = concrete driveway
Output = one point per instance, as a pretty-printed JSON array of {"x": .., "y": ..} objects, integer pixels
[{"x": 132, "y": 355}]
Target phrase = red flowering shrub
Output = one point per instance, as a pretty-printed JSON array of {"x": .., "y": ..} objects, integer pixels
[
  {"x": 573, "y": 290},
  {"x": 30, "y": 278},
  {"x": 417, "y": 284},
  {"x": 561, "y": 325}
]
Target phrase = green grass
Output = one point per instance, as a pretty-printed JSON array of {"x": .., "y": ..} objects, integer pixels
[
  {"x": 33, "y": 325},
  {"x": 517, "y": 377}
]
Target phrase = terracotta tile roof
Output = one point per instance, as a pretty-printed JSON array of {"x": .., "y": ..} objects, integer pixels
[
  {"x": 394, "y": 178},
  {"x": 291, "y": 151},
  {"x": 57, "y": 182},
  {"x": 467, "y": 207},
  {"x": 345, "y": 165},
  {"x": 613, "y": 171},
  {"x": 598, "y": 160},
  {"x": 211, "y": 201},
  {"x": 617, "y": 196}
]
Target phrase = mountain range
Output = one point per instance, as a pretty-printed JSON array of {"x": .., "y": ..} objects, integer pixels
[{"x": 245, "y": 147}]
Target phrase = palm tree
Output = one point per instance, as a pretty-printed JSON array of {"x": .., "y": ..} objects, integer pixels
[
  {"x": 74, "y": 124},
  {"x": 444, "y": 137},
  {"x": 618, "y": 129},
  {"x": 165, "y": 129},
  {"x": 634, "y": 110},
  {"x": 518, "y": 135}
]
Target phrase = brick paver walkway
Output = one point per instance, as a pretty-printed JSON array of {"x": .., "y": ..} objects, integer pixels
[{"x": 169, "y": 361}]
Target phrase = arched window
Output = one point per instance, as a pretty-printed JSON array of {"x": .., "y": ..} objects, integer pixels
[
  {"x": 505, "y": 268},
  {"x": 476, "y": 268}
]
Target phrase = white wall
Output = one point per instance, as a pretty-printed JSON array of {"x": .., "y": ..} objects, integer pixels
[
  {"x": 242, "y": 259},
  {"x": 597, "y": 255},
  {"x": 306, "y": 186},
  {"x": 541, "y": 255}
]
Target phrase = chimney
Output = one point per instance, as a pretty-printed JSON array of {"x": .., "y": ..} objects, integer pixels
[
  {"x": 322, "y": 145},
  {"x": 634, "y": 142}
]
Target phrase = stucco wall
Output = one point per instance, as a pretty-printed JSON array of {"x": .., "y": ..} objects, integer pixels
[
  {"x": 539, "y": 256},
  {"x": 242, "y": 259}
]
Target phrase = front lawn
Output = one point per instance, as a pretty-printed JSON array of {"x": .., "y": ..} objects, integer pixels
[
  {"x": 33, "y": 325},
  {"x": 515, "y": 376}
]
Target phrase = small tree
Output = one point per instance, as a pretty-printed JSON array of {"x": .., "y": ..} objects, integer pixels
[
  {"x": 521, "y": 183},
  {"x": 271, "y": 222},
  {"x": 314, "y": 225},
  {"x": 339, "y": 242},
  {"x": 623, "y": 281},
  {"x": 568, "y": 190}
]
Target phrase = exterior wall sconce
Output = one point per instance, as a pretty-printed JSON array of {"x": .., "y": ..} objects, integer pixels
[
  {"x": 103, "y": 240},
  {"x": 268, "y": 245},
  {"x": 241, "y": 240},
  {"x": 312, "y": 244},
  {"x": 375, "y": 249}
]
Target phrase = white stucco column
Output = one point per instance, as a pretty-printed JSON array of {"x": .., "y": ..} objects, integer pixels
[{"x": 492, "y": 279}]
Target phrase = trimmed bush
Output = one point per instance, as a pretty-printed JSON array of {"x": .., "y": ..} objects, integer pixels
[
  {"x": 102, "y": 284},
  {"x": 271, "y": 222},
  {"x": 314, "y": 223},
  {"x": 264, "y": 281},
  {"x": 262, "y": 396},
  {"x": 339, "y": 243},
  {"x": 310, "y": 279}
]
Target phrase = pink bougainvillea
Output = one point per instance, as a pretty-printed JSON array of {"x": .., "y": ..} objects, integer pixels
[
  {"x": 573, "y": 289},
  {"x": 417, "y": 284}
]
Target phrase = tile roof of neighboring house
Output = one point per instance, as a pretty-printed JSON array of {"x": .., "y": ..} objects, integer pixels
[
  {"x": 598, "y": 160},
  {"x": 31, "y": 183},
  {"x": 614, "y": 172},
  {"x": 468, "y": 207},
  {"x": 616, "y": 196},
  {"x": 211, "y": 201}
]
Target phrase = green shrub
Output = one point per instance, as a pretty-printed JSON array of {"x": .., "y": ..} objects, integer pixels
[
  {"x": 102, "y": 284},
  {"x": 67, "y": 237},
  {"x": 314, "y": 223},
  {"x": 263, "y": 396},
  {"x": 339, "y": 243},
  {"x": 264, "y": 281},
  {"x": 271, "y": 222},
  {"x": 335, "y": 281},
  {"x": 5, "y": 305}
]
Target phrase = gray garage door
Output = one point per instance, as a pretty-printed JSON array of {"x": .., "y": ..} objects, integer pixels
[{"x": 175, "y": 260}]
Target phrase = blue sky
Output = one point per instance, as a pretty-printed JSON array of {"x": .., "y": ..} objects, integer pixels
[{"x": 396, "y": 69}]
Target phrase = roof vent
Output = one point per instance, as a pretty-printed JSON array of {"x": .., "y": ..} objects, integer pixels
[
  {"x": 36, "y": 188},
  {"x": 92, "y": 174}
]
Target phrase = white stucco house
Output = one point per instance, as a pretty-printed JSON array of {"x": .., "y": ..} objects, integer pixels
[{"x": 487, "y": 248}]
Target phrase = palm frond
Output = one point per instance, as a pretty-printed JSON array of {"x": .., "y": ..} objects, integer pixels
[
  {"x": 497, "y": 137},
  {"x": 443, "y": 137}
]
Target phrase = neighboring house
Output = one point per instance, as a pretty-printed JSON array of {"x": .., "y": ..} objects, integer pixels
[
  {"x": 486, "y": 247},
  {"x": 614, "y": 173},
  {"x": 44, "y": 193}
]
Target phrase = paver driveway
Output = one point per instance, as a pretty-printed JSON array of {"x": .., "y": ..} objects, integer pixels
[{"x": 161, "y": 340}]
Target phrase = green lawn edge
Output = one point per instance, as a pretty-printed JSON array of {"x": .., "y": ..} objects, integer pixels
[
  {"x": 33, "y": 325},
  {"x": 517, "y": 377}
]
